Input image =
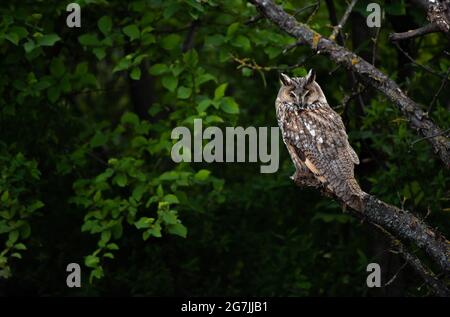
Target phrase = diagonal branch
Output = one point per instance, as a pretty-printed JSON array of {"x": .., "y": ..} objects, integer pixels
[{"x": 417, "y": 119}]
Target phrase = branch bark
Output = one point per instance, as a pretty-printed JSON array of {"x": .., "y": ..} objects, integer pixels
[{"x": 417, "y": 119}]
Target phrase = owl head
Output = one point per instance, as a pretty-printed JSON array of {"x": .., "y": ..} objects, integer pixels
[{"x": 300, "y": 90}]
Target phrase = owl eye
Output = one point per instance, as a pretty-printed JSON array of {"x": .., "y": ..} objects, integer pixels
[{"x": 292, "y": 94}]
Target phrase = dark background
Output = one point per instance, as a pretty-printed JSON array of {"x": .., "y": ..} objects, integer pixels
[{"x": 86, "y": 116}]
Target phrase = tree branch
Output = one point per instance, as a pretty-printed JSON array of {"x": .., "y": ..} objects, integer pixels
[
  {"x": 429, "y": 28},
  {"x": 411, "y": 110},
  {"x": 401, "y": 223},
  {"x": 438, "y": 13}
]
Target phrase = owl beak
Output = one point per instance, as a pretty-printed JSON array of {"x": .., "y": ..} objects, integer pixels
[{"x": 285, "y": 79}]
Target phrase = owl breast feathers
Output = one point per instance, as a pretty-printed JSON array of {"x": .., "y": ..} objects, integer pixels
[{"x": 315, "y": 137}]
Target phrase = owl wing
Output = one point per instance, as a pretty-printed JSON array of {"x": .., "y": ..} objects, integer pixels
[{"x": 319, "y": 137}]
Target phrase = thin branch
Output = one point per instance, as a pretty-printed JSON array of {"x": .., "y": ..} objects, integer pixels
[
  {"x": 436, "y": 95},
  {"x": 418, "y": 120},
  {"x": 334, "y": 21},
  {"x": 344, "y": 19},
  {"x": 375, "y": 45},
  {"x": 429, "y": 137},
  {"x": 254, "y": 19},
  {"x": 429, "y": 28},
  {"x": 313, "y": 5},
  {"x": 427, "y": 275}
]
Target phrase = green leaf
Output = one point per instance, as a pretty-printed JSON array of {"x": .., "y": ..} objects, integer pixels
[
  {"x": 184, "y": 92},
  {"x": 130, "y": 118},
  {"x": 220, "y": 91},
  {"x": 169, "y": 217},
  {"x": 191, "y": 58},
  {"x": 299, "y": 72},
  {"x": 170, "y": 82},
  {"x": 105, "y": 24},
  {"x": 202, "y": 175},
  {"x": 144, "y": 222},
  {"x": 29, "y": 46},
  {"x": 99, "y": 139},
  {"x": 177, "y": 229},
  {"x": 213, "y": 119},
  {"x": 158, "y": 69},
  {"x": 20, "y": 246},
  {"x": 89, "y": 39},
  {"x": 171, "y": 199},
  {"x": 204, "y": 105},
  {"x": 48, "y": 40},
  {"x": 19, "y": 31},
  {"x": 35, "y": 206},
  {"x": 154, "y": 231},
  {"x": 91, "y": 261},
  {"x": 121, "y": 179},
  {"x": 13, "y": 38},
  {"x": 242, "y": 42},
  {"x": 230, "y": 106},
  {"x": 112, "y": 246},
  {"x": 135, "y": 73},
  {"x": 171, "y": 42},
  {"x": 12, "y": 238},
  {"x": 247, "y": 72},
  {"x": 138, "y": 192},
  {"x": 232, "y": 29},
  {"x": 132, "y": 31},
  {"x": 99, "y": 52},
  {"x": 5, "y": 196},
  {"x": 272, "y": 52},
  {"x": 108, "y": 255}
]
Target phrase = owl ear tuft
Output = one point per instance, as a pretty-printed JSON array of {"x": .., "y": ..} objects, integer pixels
[
  {"x": 311, "y": 77},
  {"x": 285, "y": 79}
]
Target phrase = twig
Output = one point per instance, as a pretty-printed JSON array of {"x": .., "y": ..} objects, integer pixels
[
  {"x": 394, "y": 277},
  {"x": 429, "y": 137},
  {"x": 334, "y": 21},
  {"x": 316, "y": 9},
  {"x": 254, "y": 19},
  {"x": 427, "y": 275},
  {"x": 436, "y": 95},
  {"x": 375, "y": 45},
  {"x": 289, "y": 47},
  {"x": 313, "y": 5},
  {"x": 344, "y": 19}
]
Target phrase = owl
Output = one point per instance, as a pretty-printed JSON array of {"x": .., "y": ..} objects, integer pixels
[{"x": 315, "y": 137}]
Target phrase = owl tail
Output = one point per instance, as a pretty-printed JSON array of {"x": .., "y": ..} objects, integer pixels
[{"x": 352, "y": 195}]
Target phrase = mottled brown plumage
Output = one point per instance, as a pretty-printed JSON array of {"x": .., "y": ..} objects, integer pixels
[{"x": 316, "y": 139}]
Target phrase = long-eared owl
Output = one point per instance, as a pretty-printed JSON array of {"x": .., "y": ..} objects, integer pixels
[{"x": 315, "y": 137}]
